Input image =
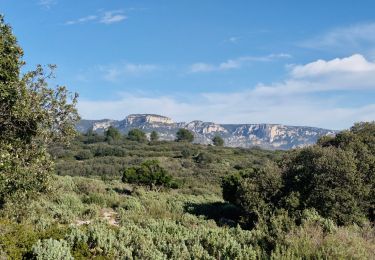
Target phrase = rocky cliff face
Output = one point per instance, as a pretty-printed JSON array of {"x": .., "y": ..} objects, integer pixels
[
  {"x": 147, "y": 119},
  {"x": 268, "y": 136}
]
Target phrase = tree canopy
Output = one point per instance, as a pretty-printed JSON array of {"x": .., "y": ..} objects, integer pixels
[
  {"x": 335, "y": 177},
  {"x": 112, "y": 134},
  {"x": 154, "y": 136},
  {"x": 217, "y": 141},
  {"x": 184, "y": 135},
  {"x": 137, "y": 135},
  {"x": 32, "y": 116}
]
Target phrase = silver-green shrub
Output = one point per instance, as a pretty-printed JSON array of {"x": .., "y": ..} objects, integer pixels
[{"x": 49, "y": 249}]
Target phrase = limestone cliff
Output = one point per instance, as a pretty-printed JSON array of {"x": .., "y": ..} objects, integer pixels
[{"x": 268, "y": 136}]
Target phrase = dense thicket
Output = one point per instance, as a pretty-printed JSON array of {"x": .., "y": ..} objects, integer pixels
[{"x": 334, "y": 177}]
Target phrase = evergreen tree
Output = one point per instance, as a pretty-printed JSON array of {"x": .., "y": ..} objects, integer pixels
[
  {"x": 112, "y": 134},
  {"x": 32, "y": 116},
  {"x": 154, "y": 136},
  {"x": 184, "y": 135},
  {"x": 218, "y": 141},
  {"x": 137, "y": 135}
]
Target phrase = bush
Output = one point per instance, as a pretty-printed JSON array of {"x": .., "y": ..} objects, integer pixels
[
  {"x": 325, "y": 178},
  {"x": 83, "y": 155},
  {"x": 335, "y": 177},
  {"x": 16, "y": 240},
  {"x": 52, "y": 249},
  {"x": 186, "y": 153},
  {"x": 149, "y": 173},
  {"x": 204, "y": 158}
]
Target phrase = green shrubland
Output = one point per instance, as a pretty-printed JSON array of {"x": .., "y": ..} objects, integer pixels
[{"x": 110, "y": 196}]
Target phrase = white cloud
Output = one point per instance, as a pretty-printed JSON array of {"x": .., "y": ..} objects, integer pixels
[
  {"x": 353, "y": 64},
  {"x": 47, "y": 3},
  {"x": 108, "y": 17},
  {"x": 298, "y": 100},
  {"x": 82, "y": 20},
  {"x": 238, "y": 107},
  {"x": 354, "y": 38},
  {"x": 350, "y": 73},
  {"x": 234, "y": 63},
  {"x": 118, "y": 71}
]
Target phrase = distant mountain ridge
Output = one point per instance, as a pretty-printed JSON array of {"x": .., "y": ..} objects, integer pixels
[{"x": 267, "y": 136}]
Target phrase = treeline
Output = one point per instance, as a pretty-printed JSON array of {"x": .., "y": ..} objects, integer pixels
[{"x": 113, "y": 136}]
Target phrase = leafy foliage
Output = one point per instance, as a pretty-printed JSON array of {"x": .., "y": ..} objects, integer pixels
[
  {"x": 335, "y": 177},
  {"x": 203, "y": 158},
  {"x": 325, "y": 179},
  {"x": 154, "y": 136},
  {"x": 161, "y": 224},
  {"x": 276, "y": 209},
  {"x": 52, "y": 249},
  {"x": 112, "y": 135},
  {"x": 149, "y": 173},
  {"x": 32, "y": 116},
  {"x": 137, "y": 135},
  {"x": 184, "y": 135},
  {"x": 218, "y": 141}
]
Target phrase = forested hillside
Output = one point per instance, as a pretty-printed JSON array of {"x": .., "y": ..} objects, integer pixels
[{"x": 116, "y": 196}]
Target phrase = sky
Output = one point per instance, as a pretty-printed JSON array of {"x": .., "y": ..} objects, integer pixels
[{"x": 291, "y": 62}]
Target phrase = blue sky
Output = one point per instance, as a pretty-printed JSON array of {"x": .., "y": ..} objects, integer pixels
[{"x": 290, "y": 62}]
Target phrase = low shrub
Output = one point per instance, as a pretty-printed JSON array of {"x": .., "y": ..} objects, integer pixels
[
  {"x": 52, "y": 249},
  {"x": 149, "y": 173}
]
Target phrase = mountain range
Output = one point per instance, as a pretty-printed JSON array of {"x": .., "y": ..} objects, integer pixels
[{"x": 267, "y": 136}]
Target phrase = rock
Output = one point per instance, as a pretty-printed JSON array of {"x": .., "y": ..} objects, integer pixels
[{"x": 267, "y": 136}]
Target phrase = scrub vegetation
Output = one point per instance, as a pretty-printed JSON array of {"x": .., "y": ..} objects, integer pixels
[{"x": 65, "y": 195}]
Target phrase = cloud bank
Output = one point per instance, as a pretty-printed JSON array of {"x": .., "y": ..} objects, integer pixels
[{"x": 292, "y": 101}]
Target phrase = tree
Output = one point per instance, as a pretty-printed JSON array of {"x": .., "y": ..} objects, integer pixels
[
  {"x": 324, "y": 178},
  {"x": 335, "y": 178},
  {"x": 137, "y": 135},
  {"x": 154, "y": 136},
  {"x": 217, "y": 141},
  {"x": 184, "y": 135},
  {"x": 32, "y": 116},
  {"x": 92, "y": 137},
  {"x": 360, "y": 142},
  {"x": 255, "y": 191},
  {"x": 112, "y": 134}
]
